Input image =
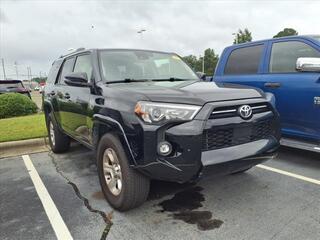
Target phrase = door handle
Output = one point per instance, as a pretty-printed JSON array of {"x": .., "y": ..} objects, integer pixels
[
  {"x": 53, "y": 93},
  {"x": 272, "y": 84},
  {"x": 67, "y": 95}
]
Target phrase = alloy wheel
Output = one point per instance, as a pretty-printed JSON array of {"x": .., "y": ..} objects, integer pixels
[{"x": 112, "y": 171}]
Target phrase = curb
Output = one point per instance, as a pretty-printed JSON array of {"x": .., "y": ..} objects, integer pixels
[{"x": 14, "y": 148}]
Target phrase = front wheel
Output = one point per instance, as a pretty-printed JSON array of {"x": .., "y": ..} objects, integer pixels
[{"x": 123, "y": 187}]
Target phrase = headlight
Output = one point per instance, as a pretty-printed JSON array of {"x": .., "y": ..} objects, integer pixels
[{"x": 152, "y": 112}]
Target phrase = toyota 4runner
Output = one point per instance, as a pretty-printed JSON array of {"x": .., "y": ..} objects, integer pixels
[{"x": 147, "y": 115}]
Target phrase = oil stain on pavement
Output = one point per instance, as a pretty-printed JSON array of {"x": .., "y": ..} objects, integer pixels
[
  {"x": 98, "y": 195},
  {"x": 183, "y": 205}
]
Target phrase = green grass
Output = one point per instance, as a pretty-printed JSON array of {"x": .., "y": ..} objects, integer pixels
[{"x": 20, "y": 128}]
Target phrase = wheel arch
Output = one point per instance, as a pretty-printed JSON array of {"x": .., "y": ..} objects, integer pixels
[{"x": 103, "y": 125}]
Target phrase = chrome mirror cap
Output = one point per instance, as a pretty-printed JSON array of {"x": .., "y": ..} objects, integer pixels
[{"x": 305, "y": 64}]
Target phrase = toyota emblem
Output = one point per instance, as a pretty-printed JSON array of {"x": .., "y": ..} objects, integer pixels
[{"x": 245, "y": 111}]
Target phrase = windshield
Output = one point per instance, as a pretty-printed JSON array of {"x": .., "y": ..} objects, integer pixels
[
  {"x": 143, "y": 65},
  {"x": 10, "y": 85}
]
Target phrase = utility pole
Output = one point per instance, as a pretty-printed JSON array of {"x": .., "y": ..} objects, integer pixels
[
  {"x": 29, "y": 76},
  {"x": 3, "y": 69},
  {"x": 16, "y": 67},
  {"x": 30, "y": 73},
  {"x": 203, "y": 64}
]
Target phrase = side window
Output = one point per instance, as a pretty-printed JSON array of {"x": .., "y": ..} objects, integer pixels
[
  {"x": 66, "y": 69},
  {"x": 285, "y": 54},
  {"x": 244, "y": 60},
  {"x": 83, "y": 64}
]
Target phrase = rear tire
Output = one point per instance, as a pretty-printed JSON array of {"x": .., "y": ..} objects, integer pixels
[
  {"x": 59, "y": 142},
  {"x": 123, "y": 187}
]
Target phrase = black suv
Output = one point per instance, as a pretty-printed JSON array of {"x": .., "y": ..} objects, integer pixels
[{"x": 147, "y": 115}]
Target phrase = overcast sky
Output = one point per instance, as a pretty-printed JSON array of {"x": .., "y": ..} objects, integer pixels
[{"x": 34, "y": 33}]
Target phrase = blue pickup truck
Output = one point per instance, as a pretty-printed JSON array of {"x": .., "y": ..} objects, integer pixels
[{"x": 288, "y": 67}]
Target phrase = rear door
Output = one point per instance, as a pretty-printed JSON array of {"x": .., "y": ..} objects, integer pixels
[
  {"x": 60, "y": 94},
  {"x": 242, "y": 65},
  {"x": 295, "y": 91}
]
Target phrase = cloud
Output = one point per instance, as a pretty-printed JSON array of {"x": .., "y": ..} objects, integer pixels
[{"x": 34, "y": 33}]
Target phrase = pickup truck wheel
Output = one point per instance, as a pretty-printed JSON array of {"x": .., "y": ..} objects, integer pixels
[
  {"x": 123, "y": 187},
  {"x": 59, "y": 142}
]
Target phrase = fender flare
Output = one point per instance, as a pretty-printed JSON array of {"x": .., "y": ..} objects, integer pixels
[{"x": 114, "y": 123}]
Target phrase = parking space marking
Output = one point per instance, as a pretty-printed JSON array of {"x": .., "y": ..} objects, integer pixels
[
  {"x": 57, "y": 223},
  {"x": 297, "y": 176}
]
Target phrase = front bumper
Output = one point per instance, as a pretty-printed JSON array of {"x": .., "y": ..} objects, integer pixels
[{"x": 190, "y": 159}]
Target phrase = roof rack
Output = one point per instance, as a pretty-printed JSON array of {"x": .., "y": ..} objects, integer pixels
[{"x": 72, "y": 50}]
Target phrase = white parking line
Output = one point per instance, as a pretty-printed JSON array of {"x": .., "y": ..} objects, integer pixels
[
  {"x": 297, "y": 176},
  {"x": 50, "y": 208}
]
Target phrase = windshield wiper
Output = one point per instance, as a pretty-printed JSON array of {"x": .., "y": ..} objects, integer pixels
[
  {"x": 127, "y": 80},
  {"x": 171, "y": 79}
]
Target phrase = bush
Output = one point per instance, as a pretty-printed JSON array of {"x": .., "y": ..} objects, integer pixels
[{"x": 16, "y": 104}]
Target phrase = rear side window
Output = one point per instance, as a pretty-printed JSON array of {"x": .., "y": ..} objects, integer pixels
[
  {"x": 244, "y": 60},
  {"x": 83, "y": 64},
  {"x": 66, "y": 69},
  {"x": 284, "y": 55},
  {"x": 52, "y": 76}
]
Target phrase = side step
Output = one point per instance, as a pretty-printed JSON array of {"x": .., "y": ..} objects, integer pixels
[{"x": 314, "y": 147}]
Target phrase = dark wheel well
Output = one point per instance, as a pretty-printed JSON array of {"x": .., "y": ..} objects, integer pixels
[
  {"x": 47, "y": 110},
  {"x": 102, "y": 128}
]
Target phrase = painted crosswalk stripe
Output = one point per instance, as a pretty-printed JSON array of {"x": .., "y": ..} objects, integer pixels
[
  {"x": 297, "y": 176},
  {"x": 57, "y": 223}
]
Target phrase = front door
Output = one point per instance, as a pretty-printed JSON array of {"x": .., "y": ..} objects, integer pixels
[
  {"x": 296, "y": 92},
  {"x": 77, "y": 106}
]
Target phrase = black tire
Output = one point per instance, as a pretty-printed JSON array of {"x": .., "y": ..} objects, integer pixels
[
  {"x": 59, "y": 142},
  {"x": 242, "y": 171},
  {"x": 134, "y": 186}
]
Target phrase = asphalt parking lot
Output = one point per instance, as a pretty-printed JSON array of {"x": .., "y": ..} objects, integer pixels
[{"x": 280, "y": 201}]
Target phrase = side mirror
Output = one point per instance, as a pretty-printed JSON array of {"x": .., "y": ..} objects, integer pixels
[
  {"x": 78, "y": 79},
  {"x": 201, "y": 75},
  {"x": 305, "y": 64}
]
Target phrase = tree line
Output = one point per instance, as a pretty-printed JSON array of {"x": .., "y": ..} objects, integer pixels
[{"x": 211, "y": 58}]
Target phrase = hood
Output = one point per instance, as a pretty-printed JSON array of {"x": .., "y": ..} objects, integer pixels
[{"x": 189, "y": 92}]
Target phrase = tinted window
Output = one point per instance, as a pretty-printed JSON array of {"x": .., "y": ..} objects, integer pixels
[
  {"x": 244, "y": 60},
  {"x": 83, "y": 64},
  {"x": 284, "y": 55},
  {"x": 66, "y": 69}
]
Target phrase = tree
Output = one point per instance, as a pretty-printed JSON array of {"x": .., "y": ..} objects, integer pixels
[
  {"x": 193, "y": 62},
  {"x": 243, "y": 36},
  {"x": 210, "y": 61},
  {"x": 286, "y": 32}
]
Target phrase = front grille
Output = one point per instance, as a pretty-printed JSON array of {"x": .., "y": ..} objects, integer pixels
[
  {"x": 222, "y": 137},
  {"x": 232, "y": 111}
]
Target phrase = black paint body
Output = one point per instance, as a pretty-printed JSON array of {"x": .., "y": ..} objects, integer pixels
[{"x": 90, "y": 112}]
